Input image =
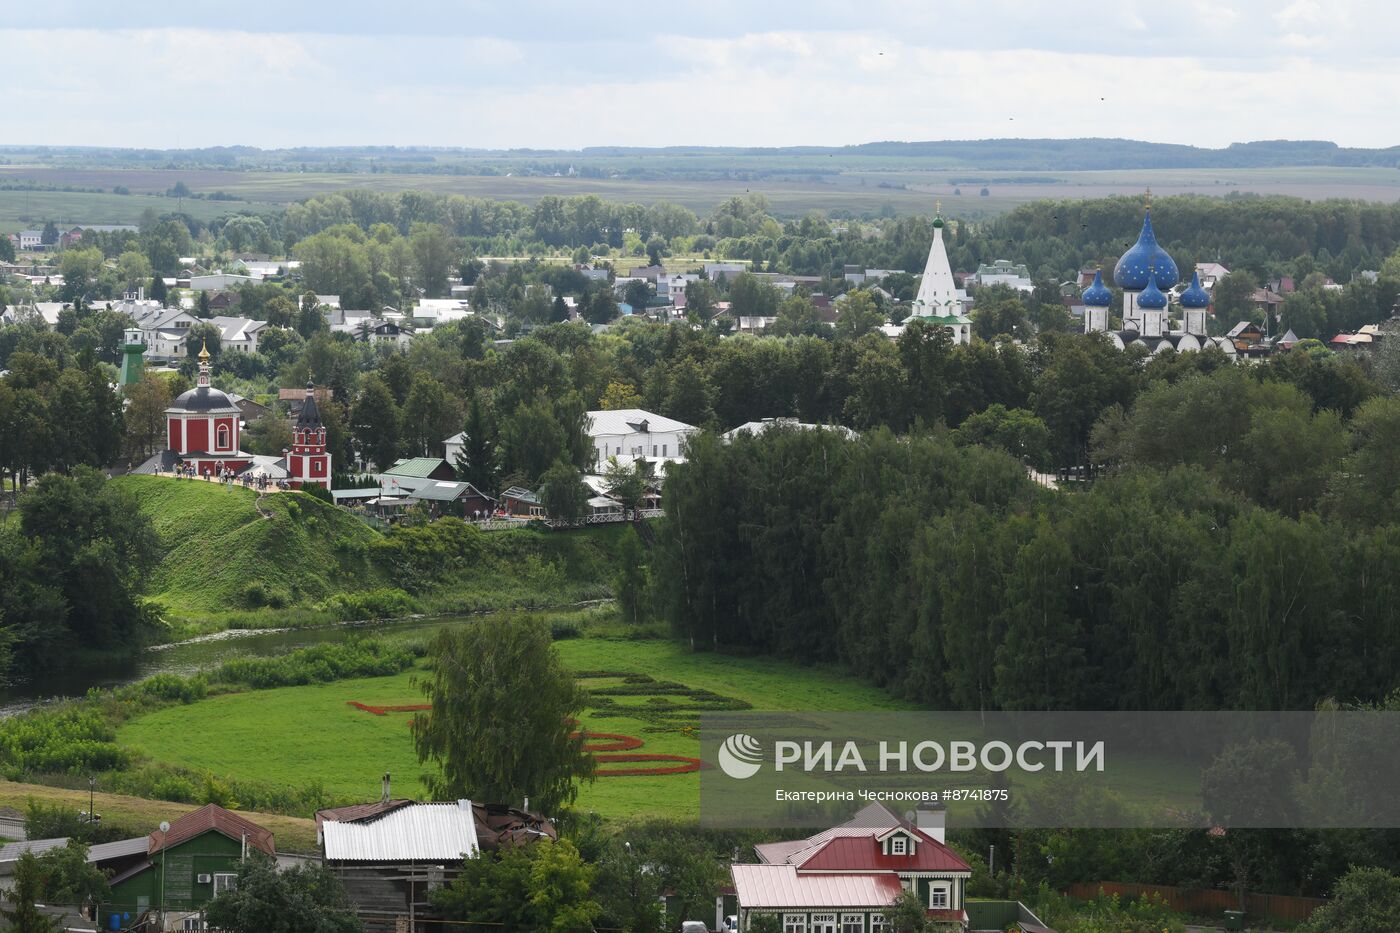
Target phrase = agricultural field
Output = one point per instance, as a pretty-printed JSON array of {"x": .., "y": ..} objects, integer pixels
[
  {"x": 861, "y": 187},
  {"x": 298, "y": 735},
  {"x": 23, "y": 210}
]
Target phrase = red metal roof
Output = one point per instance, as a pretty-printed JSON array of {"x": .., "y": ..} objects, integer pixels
[
  {"x": 358, "y": 811},
  {"x": 782, "y": 886},
  {"x": 862, "y": 853},
  {"x": 211, "y": 817}
]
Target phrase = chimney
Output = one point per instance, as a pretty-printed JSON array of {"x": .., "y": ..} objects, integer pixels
[{"x": 932, "y": 821}]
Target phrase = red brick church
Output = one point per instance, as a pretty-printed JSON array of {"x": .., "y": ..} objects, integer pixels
[{"x": 203, "y": 431}]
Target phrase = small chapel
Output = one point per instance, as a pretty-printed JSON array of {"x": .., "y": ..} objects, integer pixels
[{"x": 203, "y": 430}]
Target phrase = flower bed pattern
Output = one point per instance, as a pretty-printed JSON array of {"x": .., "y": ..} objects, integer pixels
[{"x": 607, "y": 747}]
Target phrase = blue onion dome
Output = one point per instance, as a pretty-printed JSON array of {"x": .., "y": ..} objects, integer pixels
[
  {"x": 1136, "y": 265},
  {"x": 1152, "y": 298},
  {"x": 1195, "y": 296},
  {"x": 1097, "y": 294}
]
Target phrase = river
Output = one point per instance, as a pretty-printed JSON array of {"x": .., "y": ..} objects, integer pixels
[{"x": 189, "y": 657}]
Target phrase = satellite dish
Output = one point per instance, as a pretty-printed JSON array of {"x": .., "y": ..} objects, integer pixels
[{"x": 164, "y": 826}]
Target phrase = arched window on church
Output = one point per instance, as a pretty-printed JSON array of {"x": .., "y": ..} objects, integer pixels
[{"x": 223, "y": 437}]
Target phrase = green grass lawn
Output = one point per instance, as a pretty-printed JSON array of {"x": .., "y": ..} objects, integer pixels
[{"x": 297, "y": 735}]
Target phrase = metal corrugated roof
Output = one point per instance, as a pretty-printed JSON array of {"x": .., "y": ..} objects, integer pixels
[
  {"x": 422, "y": 832},
  {"x": 416, "y": 467},
  {"x": 623, "y": 421},
  {"x": 781, "y": 886},
  {"x": 119, "y": 849},
  {"x": 12, "y": 851}
]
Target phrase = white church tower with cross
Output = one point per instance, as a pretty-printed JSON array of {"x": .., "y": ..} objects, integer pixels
[{"x": 937, "y": 301}]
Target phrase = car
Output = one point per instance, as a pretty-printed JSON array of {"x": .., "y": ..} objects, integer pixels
[
  {"x": 730, "y": 925},
  {"x": 694, "y": 926}
]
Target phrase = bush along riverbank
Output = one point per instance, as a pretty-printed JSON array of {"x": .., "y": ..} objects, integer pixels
[{"x": 64, "y": 744}]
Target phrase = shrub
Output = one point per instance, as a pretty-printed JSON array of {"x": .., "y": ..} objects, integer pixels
[
  {"x": 358, "y": 657},
  {"x": 318, "y": 492},
  {"x": 560, "y": 630},
  {"x": 170, "y": 687},
  {"x": 385, "y": 603},
  {"x": 71, "y": 739},
  {"x": 426, "y": 553}
]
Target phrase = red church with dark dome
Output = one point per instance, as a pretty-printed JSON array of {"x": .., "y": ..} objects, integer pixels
[
  {"x": 203, "y": 430},
  {"x": 203, "y": 427}
]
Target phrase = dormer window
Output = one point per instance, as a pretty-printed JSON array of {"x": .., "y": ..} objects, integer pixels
[{"x": 899, "y": 845}]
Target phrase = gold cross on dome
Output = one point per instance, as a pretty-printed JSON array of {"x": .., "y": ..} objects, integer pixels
[{"x": 1149, "y": 199}]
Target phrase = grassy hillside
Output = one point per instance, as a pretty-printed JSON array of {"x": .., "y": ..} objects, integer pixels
[
  {"x": 292, "y": 834},
  {"x": 221, "y": 554},
  {"x": 226, "y": 564}
]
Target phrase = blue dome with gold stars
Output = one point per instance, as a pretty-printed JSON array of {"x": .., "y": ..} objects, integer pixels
[
  {"x": 1195, "y": 296},
  {"x": 1152, "y": 298},
  {"x": 1097, "y": 294},
  {"x": 1138, "y": 263}
]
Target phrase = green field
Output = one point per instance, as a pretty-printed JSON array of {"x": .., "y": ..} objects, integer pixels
[
  {"x": 794, "y": 186},
  {"x": 24, "y": 210},
  {"x": 297, "y": 735}
]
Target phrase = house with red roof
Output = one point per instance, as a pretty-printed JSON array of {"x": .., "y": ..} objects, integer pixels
[{"x": 844, "y": 879}]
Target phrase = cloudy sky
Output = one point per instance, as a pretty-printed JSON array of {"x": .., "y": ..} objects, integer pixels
[{"x": 535, "y": 73}]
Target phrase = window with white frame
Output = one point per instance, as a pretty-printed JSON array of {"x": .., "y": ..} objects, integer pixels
[
  {"x": 794, "y": 923},
  {"x": 938, "y": 897},
  {"x": 899, "y": 846},
  {"x": 223, "y": 437},
  {"x": 823, "y": 923},
  {"x": 224, "y": 881},
  {"x": 193, "y": 925},
  {"x": 852, "y": 923},
  {"x": 877, "y": 923}
]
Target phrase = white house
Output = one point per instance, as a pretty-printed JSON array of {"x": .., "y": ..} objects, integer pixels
[
  {"x": 631, "y": 434},
  {"x": 238, "y": 334},
  {"x": 1210, "y": 273},
  {"x": 164, "y": 330},
  {"x": 1005, "y": 272},
  {"x": 30, "y": 239}
]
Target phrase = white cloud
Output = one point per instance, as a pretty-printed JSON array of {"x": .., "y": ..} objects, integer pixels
[{"x": 1208, "y": 72}]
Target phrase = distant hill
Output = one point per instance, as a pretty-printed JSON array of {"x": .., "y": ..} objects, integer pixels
[{"x": 997, "y": 154}]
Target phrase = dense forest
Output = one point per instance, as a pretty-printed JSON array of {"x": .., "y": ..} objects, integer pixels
[{"x": 1183, "y": 580}]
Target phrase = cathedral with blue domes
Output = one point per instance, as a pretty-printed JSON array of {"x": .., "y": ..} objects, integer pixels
[{"x": 1147, "y": 274}]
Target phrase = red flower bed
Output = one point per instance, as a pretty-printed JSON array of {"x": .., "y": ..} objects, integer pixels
[
  {"x": 614, "y": 743},
  {"x": 615, "y": 747},
  {"x": 382, "y": 710},
  {"x": 684, "y": 765}
]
